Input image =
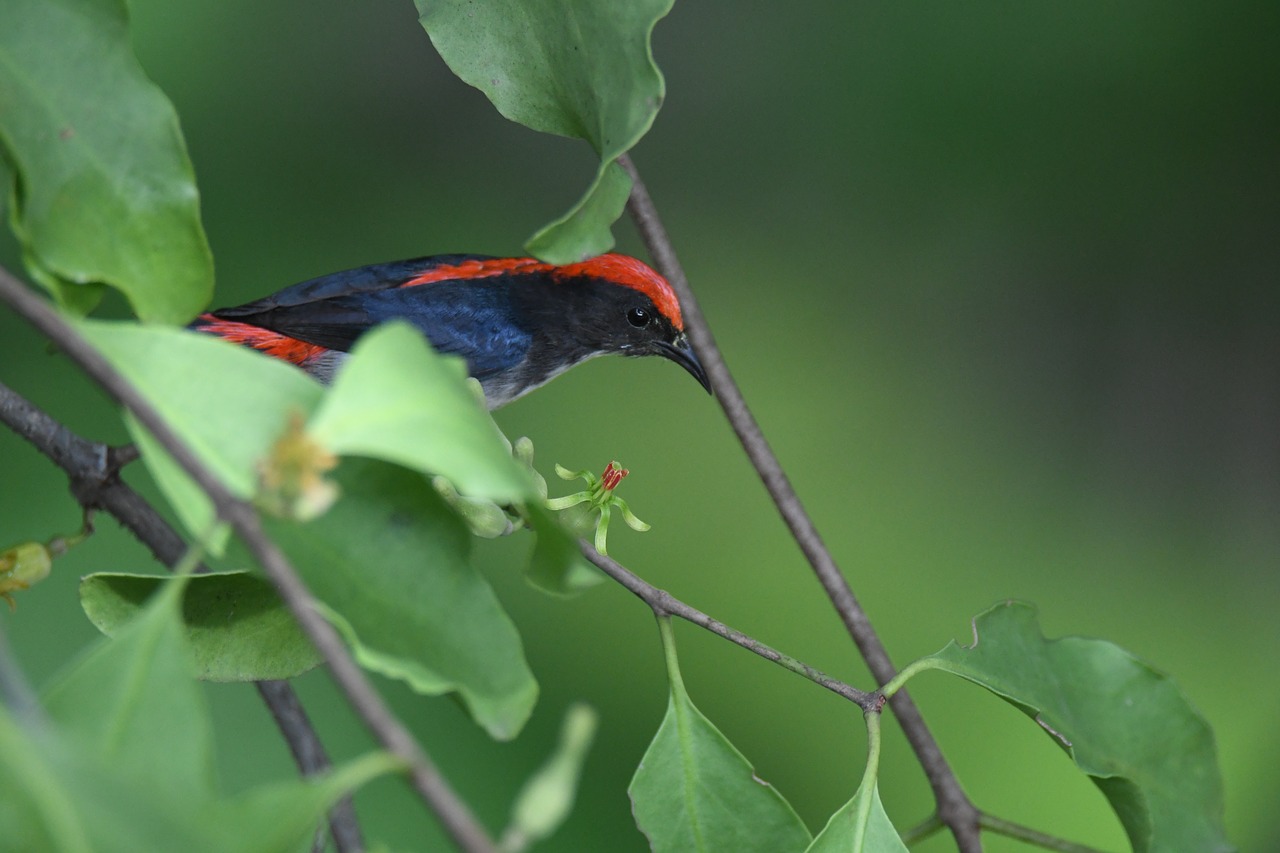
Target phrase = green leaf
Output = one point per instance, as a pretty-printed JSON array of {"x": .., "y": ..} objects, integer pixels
[
  {"x": 584, "y": 231},
  {"x": 132, "y": 702},
  {"x": 390, "y": 562},
  {"x": 396, "y": 399},
  {"x": 60, "y": 797},
  {"x": 127, "y": 764},
  {"x": 575, "y": 68},
  {"x": 695, "y": 791},
  {"x": 228, "y": 403},
  {"x": 1127, "y": 725},
  {"x": 237, "y": 627},
  {"x": 547, "y": 797},
  {"x": 106, "y": 190}
]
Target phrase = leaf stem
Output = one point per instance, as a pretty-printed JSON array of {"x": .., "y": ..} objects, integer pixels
[{"x": 1023, "y": 833}]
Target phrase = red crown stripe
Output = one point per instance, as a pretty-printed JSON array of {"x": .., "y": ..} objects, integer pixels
[
  {"x": 631, "y": 273},
  {"x": 477, "y": 269},
  {"x": 619, "y": 269}
]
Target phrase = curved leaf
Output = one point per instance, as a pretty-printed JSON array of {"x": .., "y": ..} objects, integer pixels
[
  {"x": 106, "y": 192},
  {"x": 228, "y": 403},
  {"x": 695, "y": 791},
  {"x": 389, "y": 561},
  {"x": 576, "y": 68},
  {"x": 396, "y": 399},
  {"x": 1127, "y": 725},
  {"x": 237, "y": 627}
]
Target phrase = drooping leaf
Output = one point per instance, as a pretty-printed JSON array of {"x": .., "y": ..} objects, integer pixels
[
  {"x": 575, "y": 68},
  {"x": 106, "y": 192},
  {"x": 237, "y": 627},
  {"x": 547, "y": 797},
  {"x": 389, "y": 561},
  {"x": 396, "y": 399},
  {"x": 695, "y": 791},
  {"x": 1126, "y": 725},
  {"x": 229, "y": 404},
  {"x": 584, "y": 231}
]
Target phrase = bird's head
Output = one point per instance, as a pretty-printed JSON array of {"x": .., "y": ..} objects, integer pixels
[{"x": 619, "y": 305}]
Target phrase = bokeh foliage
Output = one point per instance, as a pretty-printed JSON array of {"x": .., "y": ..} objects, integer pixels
[{"x": 1021, "y": 259}]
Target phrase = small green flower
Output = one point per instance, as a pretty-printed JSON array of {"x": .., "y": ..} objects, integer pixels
[{"x": 599, "y": 497}]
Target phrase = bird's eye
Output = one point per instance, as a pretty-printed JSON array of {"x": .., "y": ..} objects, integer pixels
[{"x": 638, "y": 317}]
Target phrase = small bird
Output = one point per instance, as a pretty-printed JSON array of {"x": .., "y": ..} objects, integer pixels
[{"x": 518, "y": 322}]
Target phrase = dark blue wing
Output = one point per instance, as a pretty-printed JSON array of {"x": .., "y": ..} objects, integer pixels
[{"x": 366, "y": 279}]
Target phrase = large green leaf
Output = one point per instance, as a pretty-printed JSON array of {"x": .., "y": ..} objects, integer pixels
[
  {"x": 1127, "y": 725},
  {"x": 390, "y": 562},
  {"x": 133, "y": 704},
  {"x": 106, "y": 192},
  {"x": 126, "y": 763},
  {"x": 396, "y": 399},
  {"x": 59, "y": 796},
  {"x": 228, "y": 403},
  {"x": 577, "y": 68},
  {"x": 237, "y": 627},
  {"x": 695, "y": 791}
]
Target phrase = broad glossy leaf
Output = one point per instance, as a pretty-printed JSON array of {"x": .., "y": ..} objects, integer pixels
[
  {"x": 228, "y": 403},
  {"x": 577, "y": 68},
  {"x": 396, "y": 399},
  {"x": 390, "y": 562},
  {"x": 133, "y": 704},
  {"x": 106, "y": 190},
  {"x": 1126, "y": 724},
  {"x": 237, "y": 627},
  {"x": 695, "y": 791}
]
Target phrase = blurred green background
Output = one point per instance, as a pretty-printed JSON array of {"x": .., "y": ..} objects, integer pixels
[{"x": 999, "y": 280}]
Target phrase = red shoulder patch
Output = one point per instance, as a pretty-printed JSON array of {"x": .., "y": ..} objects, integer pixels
[{"x": 264, "y": 340}]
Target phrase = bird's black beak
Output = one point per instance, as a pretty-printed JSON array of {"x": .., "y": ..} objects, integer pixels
[{"x": 682, "y": 354}]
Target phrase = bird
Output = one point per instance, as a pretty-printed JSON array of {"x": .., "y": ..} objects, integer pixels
[{"x": 518, "y": 322}]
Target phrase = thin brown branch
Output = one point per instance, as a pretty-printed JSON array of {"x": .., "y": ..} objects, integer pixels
[
  {"x": 664, "y": 603},
  {"x": 310, "y": 756},
  {"x": 93, "y": 472},
  {"x": 954, "y": 807},
  {"x": 454, "y": 814}
]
